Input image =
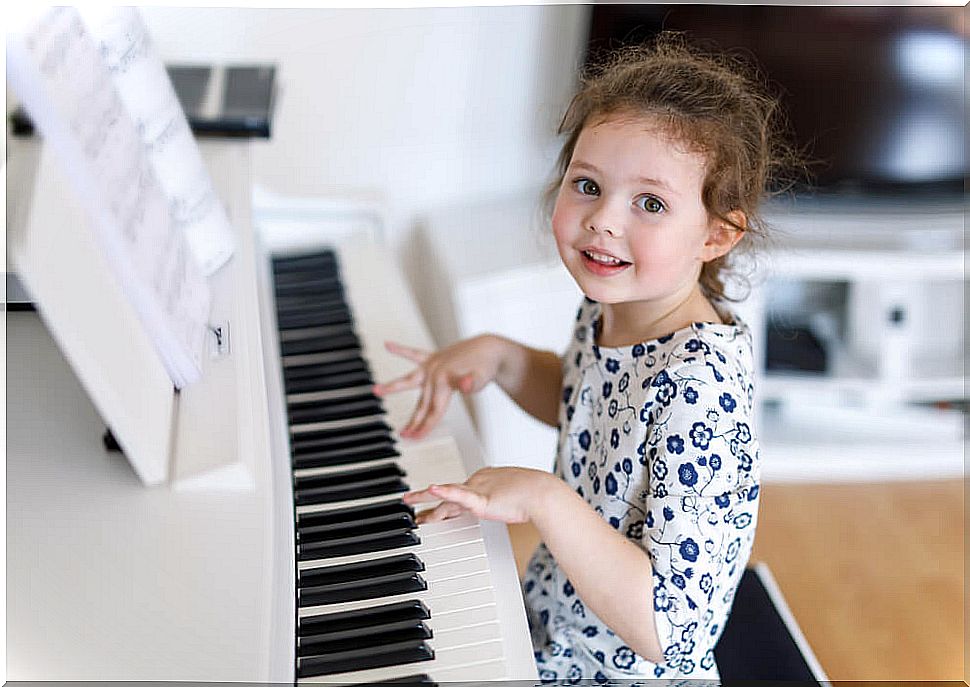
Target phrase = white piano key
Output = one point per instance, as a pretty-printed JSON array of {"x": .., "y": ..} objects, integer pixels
[
  {"x": 455, "y": 569},
  {"x": 458, "y": 552},
  {"x": 466, "y": 616},
  {"x": 300, "y": 359},
  {"x": 324, "y": 425},
  {"x": 470, "y": 633},
  {"x": 487, "y": 670},
  {"x": 329, "y": 395}
]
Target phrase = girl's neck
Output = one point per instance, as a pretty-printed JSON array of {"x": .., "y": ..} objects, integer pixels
[{"x": 633, "y": 322}]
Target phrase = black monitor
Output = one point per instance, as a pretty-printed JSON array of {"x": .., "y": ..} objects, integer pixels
[{"x": 875, "y": 94}]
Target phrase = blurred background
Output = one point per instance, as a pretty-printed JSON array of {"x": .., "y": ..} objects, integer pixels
[{"x": 444, "y": 119}]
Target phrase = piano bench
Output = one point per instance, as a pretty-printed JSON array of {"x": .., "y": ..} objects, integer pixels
[{"x": 762, "y": 641}]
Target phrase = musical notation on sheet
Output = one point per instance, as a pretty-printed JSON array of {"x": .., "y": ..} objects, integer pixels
[
  {"x": 54, "y": 65},
  {"x": 149, "y": 97}
]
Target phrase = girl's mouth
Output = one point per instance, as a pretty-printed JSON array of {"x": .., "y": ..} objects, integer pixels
[{"x": 602, "y": 265}]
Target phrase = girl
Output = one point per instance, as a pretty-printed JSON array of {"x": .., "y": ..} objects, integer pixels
[{"x": 648, "y": 518}]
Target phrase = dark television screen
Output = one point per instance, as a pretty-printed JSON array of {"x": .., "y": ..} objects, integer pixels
[{"x": 874, "y": 94}]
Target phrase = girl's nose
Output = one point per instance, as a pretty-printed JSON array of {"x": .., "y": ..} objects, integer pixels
[
  {"x": 606, "y": 217},
  {"x": 598, "y": 226}
]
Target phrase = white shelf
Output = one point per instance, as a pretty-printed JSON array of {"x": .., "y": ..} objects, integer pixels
[
  {"x": 822, "y": 442},
  {"x": 931, "y": 379}
]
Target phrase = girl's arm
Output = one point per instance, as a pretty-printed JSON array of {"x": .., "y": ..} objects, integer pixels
[
  {"x": 530, "y": 377},
  {"x": 611, "y": 575}
]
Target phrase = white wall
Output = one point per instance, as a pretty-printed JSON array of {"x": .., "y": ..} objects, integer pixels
[{"x": 421, "y": 107}]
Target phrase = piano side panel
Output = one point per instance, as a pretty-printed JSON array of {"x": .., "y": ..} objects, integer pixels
[{"x": 283, "y": 589}]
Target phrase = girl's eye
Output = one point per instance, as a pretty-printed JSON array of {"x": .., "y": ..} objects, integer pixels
[
  {"x": 587, "y": 187},
  {"x": 650, "y": 204}
]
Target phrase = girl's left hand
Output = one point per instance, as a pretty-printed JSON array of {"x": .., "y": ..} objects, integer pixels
[{"x": 508, "y": 495}]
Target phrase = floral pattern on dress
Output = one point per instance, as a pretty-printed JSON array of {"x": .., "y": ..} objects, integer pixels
[{"x": 658, "y": 438}]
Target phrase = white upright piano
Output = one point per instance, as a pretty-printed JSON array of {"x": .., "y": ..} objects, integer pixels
[{"x": 291, "y": 560}]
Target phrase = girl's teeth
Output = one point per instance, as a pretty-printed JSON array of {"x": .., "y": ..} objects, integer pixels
[{"x": 603, "y": 259}]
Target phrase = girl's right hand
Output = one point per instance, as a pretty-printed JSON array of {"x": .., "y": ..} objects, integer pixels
[{"x": 467, "y": 366}]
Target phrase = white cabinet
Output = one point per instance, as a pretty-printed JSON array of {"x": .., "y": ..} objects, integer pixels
[
  {"x": 880, "y": 285},
  {"x": 877, "y": 288}
]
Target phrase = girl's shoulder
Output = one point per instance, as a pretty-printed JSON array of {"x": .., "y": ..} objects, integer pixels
[{"x": 722, "y": 350}]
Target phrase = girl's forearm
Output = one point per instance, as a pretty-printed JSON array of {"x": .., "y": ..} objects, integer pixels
[
  {"x": 611, "y": 575},
  {"x": 532, "y": 378}
]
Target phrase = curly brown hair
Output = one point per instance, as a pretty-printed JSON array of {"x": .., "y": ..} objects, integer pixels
[{"x": 716, "y": 104}]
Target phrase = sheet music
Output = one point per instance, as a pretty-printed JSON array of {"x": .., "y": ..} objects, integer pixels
[
  {"x": 54, "y": 66},
  {"x": 147, "y": 93}
]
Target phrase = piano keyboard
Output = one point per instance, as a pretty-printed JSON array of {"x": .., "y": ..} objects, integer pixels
[{"x": 379, "y": 599}]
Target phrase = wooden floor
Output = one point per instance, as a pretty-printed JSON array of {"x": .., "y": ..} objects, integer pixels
[{"x": 873, "y": 573}]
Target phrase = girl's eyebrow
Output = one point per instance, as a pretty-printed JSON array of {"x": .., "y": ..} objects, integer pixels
[{"x": 643, "y": 180}]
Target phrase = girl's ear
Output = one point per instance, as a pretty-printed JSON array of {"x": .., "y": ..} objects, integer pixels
[{"x": 722, "y": 236}]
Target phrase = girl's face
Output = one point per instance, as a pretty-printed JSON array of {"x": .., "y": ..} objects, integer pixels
[{"x": 629, "y": 221}]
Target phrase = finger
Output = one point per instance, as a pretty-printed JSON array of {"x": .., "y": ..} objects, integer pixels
[
  {"x": 420, "y": 496},
  {"x": 456, "y": 493},
  {"x": 436, "y": 408},
  {"x": 445, "y": 511},
  {"x": 427, "y": 391},
  {"x": 413, "y": 354},
  {"x": 411, "y": 380}
]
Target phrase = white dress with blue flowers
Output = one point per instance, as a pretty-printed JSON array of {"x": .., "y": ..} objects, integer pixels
[{"x": 657, "y": 438}]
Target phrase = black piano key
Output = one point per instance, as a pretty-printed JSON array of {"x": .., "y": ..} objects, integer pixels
[
  {"x": 377, "y": 524},
  {"x": 314, "y": 319},
  {"x": 359, "y": 590},
  {"x": 320, "y": 344},
  {"x": 314, "y": 331},
  {"x": 364, "y": 659},
  {"x": 337, "y": 366},
  {"x": 322, "y": 412},
  {"x": 320, "y": 304},
  {"x": 352, "y": 546},
  {"x": 320, "y": 260},
  {"x": 373, "y": 525},
  {"x": 296, "y": 276},
  {"x": 349, "y": 484},
  {"x": 353, "y": 513},
  {"x": 317, "y": 312},
  {"x": 412, "y": 609},
  {"x": 312, "y": 444},
  {"x": 332, "y": 400},
  {"x": 364, "y": 535},
  {"x": 346, "y": 456},
  {"x": 342, "y": 477},
  {"x": 416, "y": 679},
  {"x": 379, "y": 486},
  {"x": 317, "y": 434},
  {"x": 359, "y": 570},
  {"x": 312, "y": 285},
  {"x": 316, "y": 316},
  {"x": 410, "y": 630}
]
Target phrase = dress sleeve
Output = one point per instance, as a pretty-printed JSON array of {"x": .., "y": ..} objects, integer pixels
[{"x": 700, "y": 501}]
